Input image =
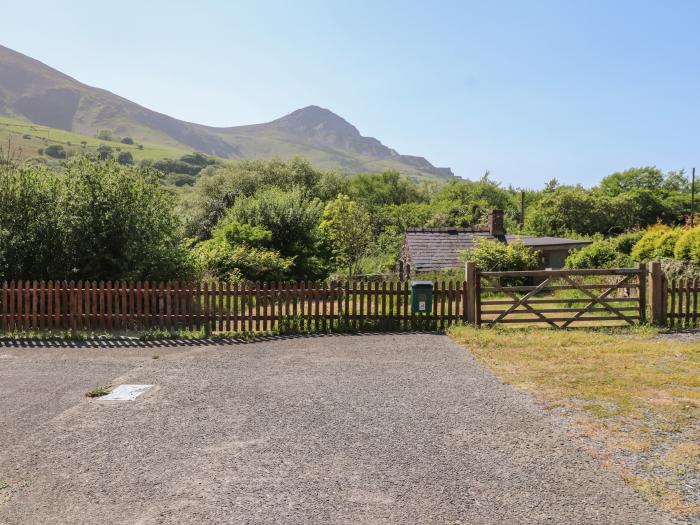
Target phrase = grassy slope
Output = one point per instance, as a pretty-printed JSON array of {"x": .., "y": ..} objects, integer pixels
[
  {"x": 635, "y": 394},
  {"x": 42, "y": 136},
  {"x": 259, "y": 147}
]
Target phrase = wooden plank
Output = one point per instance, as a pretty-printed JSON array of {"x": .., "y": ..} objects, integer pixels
[
  {"x": 123, "y": 287},
  {"x": 264, "y": 305},
  {"x": 552, "y": 288},
  {"x": 27, "y": 305},
  {"x": 494, "y": 302},
  {"x": 4, "y": 322},
  {"x": 12, "y": 306},
  {"x": 564, "y": 319},
  {"x": 695, "y": 302},
  {"x": 49, "y": 305},
  {"x": 228, "y": 306},
  {"x": 87, "y": 311},
  {"x": 687, "y": 302},
  {"x": 362, "y": 304},
  {"x": 561, "y": 310},
  {"x": 42, "y": 306},
  {"x": 316, "y": 292},
  {"x": 642, "y": 292},
  {"x": 34, "y": 305},
  {"x": 673, "y": 302},
  {"x": 563, "y": 272},
  {"x": 234, "y": 291}
]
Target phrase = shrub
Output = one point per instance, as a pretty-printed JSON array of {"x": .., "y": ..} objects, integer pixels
[
  {"x": 625, "y": 242},
  {"x": 688, "y": 246},
  {"x": 125, "y": 157},
  {"x": 495, "y": 256},
  {"x": 104, "y": 134},
  {"x": 645, "y": 248},
  {"x": 127, "y": 140},
  {"x": 665, "y": 245},
  {"x": 56, "y": 151},
  {"x": 104, "y": 152},
  {"x": 598, "y": 254}
]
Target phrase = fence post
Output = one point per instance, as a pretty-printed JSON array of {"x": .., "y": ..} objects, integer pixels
[
  {"x": 657, "y": 295},
  {"x": 470, "y": 304},
  {"x": 642, "y": 292}
]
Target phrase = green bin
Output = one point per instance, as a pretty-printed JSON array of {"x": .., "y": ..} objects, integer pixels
[{"x": 422, "y": 296}]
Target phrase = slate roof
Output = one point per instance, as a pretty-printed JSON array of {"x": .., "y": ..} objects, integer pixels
[{"x": 429, "y": 249}]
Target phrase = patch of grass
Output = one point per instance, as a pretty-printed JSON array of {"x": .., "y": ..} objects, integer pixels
[
  {"x": 156, "y": 356},
  {"x": 99, "y": 391},
  {"x": 4, "y": 484},
  {"x": 636, "y": 393}
]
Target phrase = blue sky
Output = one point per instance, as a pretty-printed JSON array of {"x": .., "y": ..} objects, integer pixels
[{"x": 527, "y": 90}]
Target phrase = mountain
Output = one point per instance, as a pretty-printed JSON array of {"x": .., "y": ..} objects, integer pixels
[{"x": 34, "y": 92}]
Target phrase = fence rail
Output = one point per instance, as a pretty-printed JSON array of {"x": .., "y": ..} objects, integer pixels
[
  {"x": 222, "y": 307},
  {"x": 557, "y": 298}
]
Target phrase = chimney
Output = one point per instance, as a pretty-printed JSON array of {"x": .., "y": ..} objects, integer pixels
[{"x": 495, "y": 221}]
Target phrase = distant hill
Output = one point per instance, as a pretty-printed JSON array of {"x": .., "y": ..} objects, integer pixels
[{"x": 34, "y": 92}]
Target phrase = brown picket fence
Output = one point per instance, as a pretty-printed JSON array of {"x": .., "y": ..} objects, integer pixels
[
  {"x": 682, "y": 303},
  {"x": 222, "y": 307}
]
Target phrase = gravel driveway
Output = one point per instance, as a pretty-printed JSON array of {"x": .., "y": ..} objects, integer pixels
[{"x": 336, "y": 429}]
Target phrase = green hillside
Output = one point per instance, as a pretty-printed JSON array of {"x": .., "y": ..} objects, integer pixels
[{"x": 26, "y": 140}]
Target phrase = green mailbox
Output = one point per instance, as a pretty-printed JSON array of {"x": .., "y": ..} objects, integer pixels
[{"x": 422, "y": 296}]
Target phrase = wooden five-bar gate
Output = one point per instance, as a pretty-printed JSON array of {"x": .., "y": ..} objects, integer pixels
[
  {"x": 556, "y": 298},
  {"x": 559, "y": 298}
]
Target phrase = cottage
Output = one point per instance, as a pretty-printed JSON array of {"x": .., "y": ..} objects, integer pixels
[{"x": 433, "y": 249}]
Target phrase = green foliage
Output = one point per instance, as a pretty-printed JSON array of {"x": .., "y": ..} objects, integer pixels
[
  {"x": 562, "y": 210},
  {"x": 104, "y": 152},
  {"x": 293, "y": 218},
  {"x": 56, "y": 151},
  {"x": 345, "y": 228},
  {"x": 380, "y": 189},
  {"x": 665, "y": 244},
  {"x": 599, "y": 254},
  {"x": 125, "y": 157},
  {"x": 97, "y": 220},
  {"x": 127, "y": 140},
  {"x": 645, "y": 249},
  {"x": 495, "y": 256},
  {"x": 221, "y": 260},
  {"x": 688, "y": 246},
  {"x": 625, "y": 243},
  {"x": 104, "y": 134}
]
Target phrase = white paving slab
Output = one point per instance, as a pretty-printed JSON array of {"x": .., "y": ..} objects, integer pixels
[{"x": 125, "y": 393}]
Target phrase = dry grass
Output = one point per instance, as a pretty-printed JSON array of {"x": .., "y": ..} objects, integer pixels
[{"x": 635, "y": 394}]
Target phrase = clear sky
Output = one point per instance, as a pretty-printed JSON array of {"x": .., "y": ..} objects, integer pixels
[{"x": 527, "y": 90}]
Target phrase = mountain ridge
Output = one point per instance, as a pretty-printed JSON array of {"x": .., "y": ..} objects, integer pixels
[{"x": 38, "y": 93}]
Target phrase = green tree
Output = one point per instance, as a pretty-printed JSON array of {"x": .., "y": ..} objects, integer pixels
[
  {"x": 104, "y": 152},
  {"x": 125, "y": 157},
  {"x": 56, "y": 151},
  {"x": 346, "y": 230},
  {"x": 598, "y": 254}
]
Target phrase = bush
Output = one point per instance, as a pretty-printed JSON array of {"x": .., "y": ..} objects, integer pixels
[
  {"x": 625, "y": 243},
  {"x": 598, "y": 254},
  {"x": 125, "y": 157},
  {"x": 645, "y": 248},
  {"x": 688, "y": 246},
  {"x": 104, "y": 134},
  {"x": 495, "y": 256},
  {"x": 56, "y": 151},
  {"x": 104, "y": 152},
  {"x": 665, "y": 245},
  {"x": 127, "y": 140}
]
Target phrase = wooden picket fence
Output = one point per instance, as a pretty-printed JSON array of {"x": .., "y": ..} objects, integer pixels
[
  {"x": 597, "y": 296},
  {"x": 222, "y": 307}
]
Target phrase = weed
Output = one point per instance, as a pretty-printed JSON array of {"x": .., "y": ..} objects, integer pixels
[{"x": 99, "y": 391}]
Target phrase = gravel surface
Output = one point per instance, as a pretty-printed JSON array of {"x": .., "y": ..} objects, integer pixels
[{"x": 337, "y": 429}]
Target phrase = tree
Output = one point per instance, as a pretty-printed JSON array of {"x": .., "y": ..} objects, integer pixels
[
  {"x": 240, "y": 251},
  {"x": 646, "y": 178},
  {"x": 118, "y": 222},
  {"x": 127, "y": 140},
  {"x": 125, "y": 157},
  {"x": 104, "y": 134},
  {"x": 56, "y": 151},
  {"x": 104, "y": 152},
  {"x": 346, "y": 229}
]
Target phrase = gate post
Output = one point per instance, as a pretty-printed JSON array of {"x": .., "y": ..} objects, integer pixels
[
  {"x": 657, "y": 294},
  {"x": 470, "y": 279},
  {"x": 642, "y": 292}
]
